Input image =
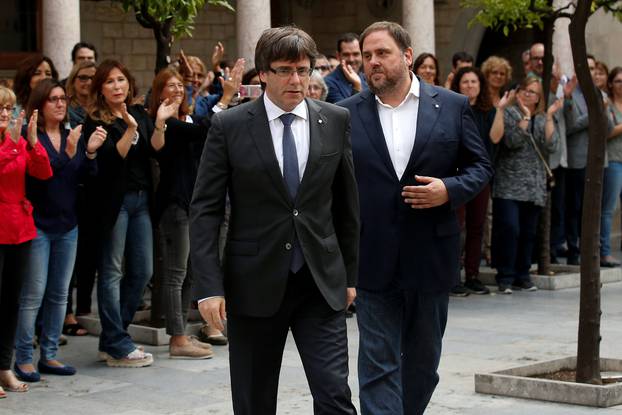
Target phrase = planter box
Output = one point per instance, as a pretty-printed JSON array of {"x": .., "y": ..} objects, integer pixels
[
  {"x": 566, "y": 276},
  {"x": 517, "y": 383}
]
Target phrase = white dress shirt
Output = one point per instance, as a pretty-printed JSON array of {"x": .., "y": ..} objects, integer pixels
[
  {"x": 300, "y": 129},
  {"x": 399, "y": 125}
]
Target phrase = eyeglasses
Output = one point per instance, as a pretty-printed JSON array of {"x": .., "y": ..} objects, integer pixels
[
  {"x": 323, "y": 68},
  {"x": 286, "y": 71},
  {"x": 529, "y": 92},
  {"x": 84, "y": 78},
  {"x": 7, "y": 108},
  {"x": 537, "y": 58},
  {"x": 175, "y": 86},
  {"x": 315, "y": 87},
  {"x": 56, "y": 100}
]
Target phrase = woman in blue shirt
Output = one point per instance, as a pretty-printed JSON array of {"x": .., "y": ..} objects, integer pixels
[{"x": 52, "y": 253}]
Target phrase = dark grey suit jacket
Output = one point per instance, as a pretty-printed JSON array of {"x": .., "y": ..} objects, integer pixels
[{"x": 239, "y": 160}]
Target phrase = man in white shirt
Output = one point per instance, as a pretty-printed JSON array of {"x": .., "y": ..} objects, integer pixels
[
  {"x": 418, "y": 156},
  {"x": 292, "y": 248}
]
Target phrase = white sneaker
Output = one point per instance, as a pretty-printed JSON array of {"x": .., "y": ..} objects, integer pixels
[{"x": 137, "y": 358}]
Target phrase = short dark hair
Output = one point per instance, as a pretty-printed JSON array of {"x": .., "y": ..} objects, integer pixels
[
  {"x": 346, "y": 38},
  {"x": 483, "y": 101},
  {"x": 396, "y": 31},
  {"x": 614, "y": 72},
  {"x": 590, "y": 56},
  {"x": 79, "y": 46},
  {"x": 461, "y": 56},
  {"x": 287, "y": 43},
  {"x": 38, "y": 97}
]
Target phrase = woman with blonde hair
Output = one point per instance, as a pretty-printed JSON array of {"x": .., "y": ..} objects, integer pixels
[
  {"x": 498, "y": 74},
  {"x": 526, "y": 135},
  {"x": 79, "y": 89}
]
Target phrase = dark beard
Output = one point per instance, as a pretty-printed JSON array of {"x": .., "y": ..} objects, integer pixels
[{"x": 388, "y": 86}]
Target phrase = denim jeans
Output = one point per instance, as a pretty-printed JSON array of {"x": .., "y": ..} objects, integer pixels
[
  {"x": 400, "y": 341},
  {"x": 514, "y": 226},
  {"x": 176, "y": 275},
  {"x": 119, "y": 295},
  {"x": 612, "y": 186},
  {"x": 46, "y": 283}
]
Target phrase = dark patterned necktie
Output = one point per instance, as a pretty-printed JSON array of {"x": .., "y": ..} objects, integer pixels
[{"x": 292, "y": 179}]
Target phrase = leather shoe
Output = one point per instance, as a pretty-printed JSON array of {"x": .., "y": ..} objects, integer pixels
[
  {"x": 609, "y": 264},
  {"x": 64, "y": 370},
  {"x": 26, "y": 376},
  {"x": 574, "y": 260}
]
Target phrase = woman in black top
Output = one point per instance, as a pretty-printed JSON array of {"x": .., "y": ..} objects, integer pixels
[
  {"x": 123, "y": 189},
  {"x": 470, "y": 81},
  {"x": 179, "y": 161}
]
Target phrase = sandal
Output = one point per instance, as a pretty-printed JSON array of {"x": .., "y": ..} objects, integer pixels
[
  {"x": 2, "y": 393},
  {"x": 74, "y": 329},
  {"x": 23, "y": 387}
]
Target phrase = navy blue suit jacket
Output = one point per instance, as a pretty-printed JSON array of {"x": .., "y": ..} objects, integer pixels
[
  {"x": 401, "y": 246},
  {"x": 338, "y": 86}
]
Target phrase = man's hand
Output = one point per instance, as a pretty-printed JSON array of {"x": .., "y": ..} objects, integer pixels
[
  {"x": 432, "y": 194},
  {"x": 213, "y": 311},
  {"x": 351, "y": 76},
  {"x": 570, "y": 86},
  {"x": 350, "y": 296}
]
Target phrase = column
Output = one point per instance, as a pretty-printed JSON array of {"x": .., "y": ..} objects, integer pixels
[
  {"x": 561, "y": 41},
  {"x": 61, "y": 30},
  {"x": 418, "y": 20},
  {"x": 252, "y": 18}
]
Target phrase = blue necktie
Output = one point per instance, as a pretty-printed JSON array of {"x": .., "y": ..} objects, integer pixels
[{"x": 292, "y": 179}]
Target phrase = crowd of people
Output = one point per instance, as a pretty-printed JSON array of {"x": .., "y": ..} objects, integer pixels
[{"x": 89, "y": 169}]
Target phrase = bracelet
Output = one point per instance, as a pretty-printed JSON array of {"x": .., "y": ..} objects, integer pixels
[
  {"x": 163, "y": 129},
  {"x": 92, "y": 155},
  {"x": 527, "y": 118}
]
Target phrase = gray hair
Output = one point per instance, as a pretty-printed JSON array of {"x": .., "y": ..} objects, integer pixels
[{"x": 316, "y": 76}]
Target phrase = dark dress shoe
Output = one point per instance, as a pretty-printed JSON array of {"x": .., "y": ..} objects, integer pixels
[
  {"x": 64, "y": 370},
  {"x": 573, "y": 260},
  {"x": 26, "y": 376},
  {"x": 609, "y": 264}
]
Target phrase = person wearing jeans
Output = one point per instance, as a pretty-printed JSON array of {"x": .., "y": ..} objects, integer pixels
[
  {"x": 123, "y": 190},
  {"x": 527, "y": 133},
  {"x": 612, "y": 184},
  {"x": 52, "y": 254},
  {"x": 18, "y": 157}
]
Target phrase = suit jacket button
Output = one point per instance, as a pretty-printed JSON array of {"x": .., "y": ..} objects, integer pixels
[
  {"x": 295, "y": 212},
  {"x": 288, "y": 246}
]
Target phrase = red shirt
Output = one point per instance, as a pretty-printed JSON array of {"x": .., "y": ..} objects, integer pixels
[{"x": 16, "y": 160}]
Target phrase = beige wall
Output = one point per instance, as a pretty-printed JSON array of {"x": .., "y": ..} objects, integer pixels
[
  {"x": 603, "y": 33},
  {"x": 117, "y": 35}
]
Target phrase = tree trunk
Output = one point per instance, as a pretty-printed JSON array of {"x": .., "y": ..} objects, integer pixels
[
  {"x": 544, "y": 225},
  {"x": 588, "y": 351},
  {"x": 164, "y": 41}
]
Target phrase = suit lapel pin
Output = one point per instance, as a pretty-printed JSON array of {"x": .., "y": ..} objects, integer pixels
[
  {"x": 320, "y": 121},
  {"x": 436, "y": 106}
]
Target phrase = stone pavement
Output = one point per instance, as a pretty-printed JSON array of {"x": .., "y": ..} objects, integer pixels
[{"x": 484, "y": 333}]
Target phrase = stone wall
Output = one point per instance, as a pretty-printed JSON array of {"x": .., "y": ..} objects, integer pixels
[{"x": 117, "y": 35}]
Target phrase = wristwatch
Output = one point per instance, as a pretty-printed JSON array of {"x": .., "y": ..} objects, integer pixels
[
  {"x": 527, "y": 118},
  {"x": 163, "y": 129}
]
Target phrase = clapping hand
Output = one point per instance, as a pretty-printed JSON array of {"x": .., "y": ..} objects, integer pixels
[
  {"x": 231, "y": 85},
  {"x": 555, "y": 106},
  {"x": 217, "y": 55},
  {"x": 96, "y": 139},
  {"x": 72, "y": 141},
  {"x": 506, "y": 99},
  {"x": 167, "y": 109},
  {"x": 351, "y": 75},
  {"x": 127, "y": 117},
  {"x": 15, "y": 127},
  {"x": 32, "y": 129},
  {"x": 570, "y": 86}
]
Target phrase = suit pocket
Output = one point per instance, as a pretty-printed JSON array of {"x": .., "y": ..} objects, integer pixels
[
  {"x": 242, "y": 248},
  {"x": 330, "y": 243},
  {"x": 324, "y": 158}
]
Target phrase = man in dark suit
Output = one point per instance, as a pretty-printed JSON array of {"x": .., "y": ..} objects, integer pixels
[
  {"x": 417, "y": 157},
  {"x": 291, "y": 255},
  {"x": 347, "y": 79}
]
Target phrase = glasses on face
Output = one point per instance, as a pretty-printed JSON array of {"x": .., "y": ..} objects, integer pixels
[
  {"x": 55, "y": 100},
  {"x": 84, "y": 78},
  {"x": 529, "y": 92},
  {"x": 537, "y": 58},
  {"x": 7, "y": 108},
  {"x": 323, "y": 68},
  {"x": 286, "y": 71},
  {"x": 314, "y": 87}
]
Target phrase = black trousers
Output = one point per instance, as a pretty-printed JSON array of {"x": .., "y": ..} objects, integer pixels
[
  {"x": 256, "y": 351},
  {"x": 12, "y": 265},
  {"x": 575, "y": 181}
]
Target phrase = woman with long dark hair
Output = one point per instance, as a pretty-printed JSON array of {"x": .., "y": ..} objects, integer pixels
[
  {"x": 426, "y": 68},
  {"x": 52, "y": 253},
  {"x": 123, "y": 185},
  {"x": 29, "y": 72}
]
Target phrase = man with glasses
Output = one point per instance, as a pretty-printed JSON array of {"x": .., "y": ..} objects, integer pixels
[
  {"x": 347, "y": 79},
  {"x": 291, "y": 255},
  {"x": 536, "y": 60}
]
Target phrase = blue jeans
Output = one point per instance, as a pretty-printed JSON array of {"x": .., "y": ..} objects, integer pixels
[
  {"x": 46, "y": 283},
  {"x": 400, "y": 341},
  {"x": 514, "y": 226},
  {"x": 119, "y": 295},
  {"x": 612, "y": 186}
]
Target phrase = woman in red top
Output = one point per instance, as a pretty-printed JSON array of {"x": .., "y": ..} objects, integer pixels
[{"x": 18, "y": 157}]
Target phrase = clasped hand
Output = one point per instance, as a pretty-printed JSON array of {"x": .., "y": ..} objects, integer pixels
[{"x": 431, "y": 194}]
